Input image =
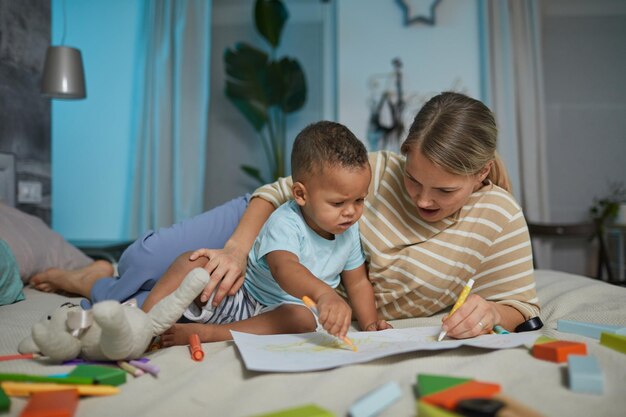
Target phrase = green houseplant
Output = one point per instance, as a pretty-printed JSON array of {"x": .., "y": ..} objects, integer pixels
[
  {"x": 265, "y": 88},
  {"x": 605, "y": 209}
]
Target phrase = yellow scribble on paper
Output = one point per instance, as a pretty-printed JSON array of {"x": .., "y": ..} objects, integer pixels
[
  {"x": 322, "y": 342},
  {"x": 318, "y": 343}
]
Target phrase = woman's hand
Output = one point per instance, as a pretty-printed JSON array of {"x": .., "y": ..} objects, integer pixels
[
  {"x": 475, "y": 317},
  {"x": 378, "y": 325},
  {"x": 227, "y": 269},
  {"x": 335, "y": 314}
]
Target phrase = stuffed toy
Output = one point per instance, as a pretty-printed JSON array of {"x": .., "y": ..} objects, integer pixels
[{"x": 110, "y": 330}]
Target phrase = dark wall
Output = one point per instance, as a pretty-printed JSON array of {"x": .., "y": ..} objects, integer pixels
[{"x": 24, "y": 113}]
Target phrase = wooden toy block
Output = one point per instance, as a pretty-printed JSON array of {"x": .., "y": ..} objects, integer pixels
[
  {"x": 429, "y": 384},
  {"x": 588, "y": 329},
  {"x": 374, "y": 402},
  {"x": 614, "y": 341},
  {"x": 559, "y": 350},
  {"x": 51, "y": 379},
  {"x": 544, "y": 339},
  {"x": 426, "y": 410},
  {"x": 5, "y": 401},
  {"x": 450, "y": 397},
  {"x": 52, "y": 403},
  {"x": 585, "y": 374},
  {"x": 309, "y": 410},
  {"x": 106, "y": 375}
]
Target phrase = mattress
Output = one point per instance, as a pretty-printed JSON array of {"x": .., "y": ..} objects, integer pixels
[{"x": 220, "y": 385}]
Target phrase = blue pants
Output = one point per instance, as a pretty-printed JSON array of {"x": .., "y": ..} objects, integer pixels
[{"x": 144, "y": 262}]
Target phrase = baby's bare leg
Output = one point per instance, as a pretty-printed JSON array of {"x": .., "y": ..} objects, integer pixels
[
  {"x": 172, "y": 279},
  {"x": 78, "y": 281},
  {"x": 288, "y": 318}
]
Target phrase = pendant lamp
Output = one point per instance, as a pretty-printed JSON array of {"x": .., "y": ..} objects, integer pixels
[{"x": 63, "y": 73}]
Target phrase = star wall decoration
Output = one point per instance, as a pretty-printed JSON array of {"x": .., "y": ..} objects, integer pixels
[{"x": 418, "y": 11}]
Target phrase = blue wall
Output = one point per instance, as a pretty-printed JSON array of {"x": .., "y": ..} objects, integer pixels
[{"x": 91, "y": 138}]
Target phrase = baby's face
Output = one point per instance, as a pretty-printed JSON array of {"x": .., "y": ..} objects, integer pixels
[{"x": 335, "y": 199}]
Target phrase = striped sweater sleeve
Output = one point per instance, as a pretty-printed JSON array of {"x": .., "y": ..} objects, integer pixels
[
  {"x": 277, "y": 193},
  {"x": 506, "y": 272}
]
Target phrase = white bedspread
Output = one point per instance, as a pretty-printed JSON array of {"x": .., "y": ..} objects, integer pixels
[{"x": 221, "y": 386}]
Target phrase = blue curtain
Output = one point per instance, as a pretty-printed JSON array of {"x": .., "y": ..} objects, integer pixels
[
  {"x": 513, "y": 87},
  {"x": 172, "y": 109}
]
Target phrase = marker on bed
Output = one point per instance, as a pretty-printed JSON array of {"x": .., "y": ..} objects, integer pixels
[
  {"x": 20, "y": 356},
  {"x": 459, "y": 303},
  {"x": 499, "y": 330},
  {"x": 313, "y": 307},
  {"x": 197, "y": 354}
]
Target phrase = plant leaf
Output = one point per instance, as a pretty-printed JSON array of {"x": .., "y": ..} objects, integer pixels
[
  {"x": 246, "y": 67},
  {"x": 246, "y": 82},
  {"x": 294, "y": 87},
  {"x": 270, "y": 17},
  {"x": 286, "y": 85},
  {"x": 254, "y": 114},
  {"x": 253, "y": 172}
]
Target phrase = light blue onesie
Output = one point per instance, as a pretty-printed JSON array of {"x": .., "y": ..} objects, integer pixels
[{"x": 285, "y": 230}]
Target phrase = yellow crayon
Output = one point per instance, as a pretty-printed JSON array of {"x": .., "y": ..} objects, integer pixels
[{"x": 459, "y": 303}]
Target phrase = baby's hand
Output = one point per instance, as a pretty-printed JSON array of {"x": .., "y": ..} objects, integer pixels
[
  {"x": 335, "y": 314},
  {"x": 378, "y": 325}
]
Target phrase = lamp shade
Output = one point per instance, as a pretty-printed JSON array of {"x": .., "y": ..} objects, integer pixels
[{"x": 63, "y": 74}]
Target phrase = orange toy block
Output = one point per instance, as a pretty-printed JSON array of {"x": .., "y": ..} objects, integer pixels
[
  {"x": 558, "y": 351},
  {"x": 51, "y": 403},
  {"x": 449, "y": 398}
]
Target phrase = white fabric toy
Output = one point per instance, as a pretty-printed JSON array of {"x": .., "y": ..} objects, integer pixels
[{"x": 110, "y": 331}]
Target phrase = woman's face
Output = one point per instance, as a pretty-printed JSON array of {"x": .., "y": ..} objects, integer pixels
[{"x": 437, "y": 193}]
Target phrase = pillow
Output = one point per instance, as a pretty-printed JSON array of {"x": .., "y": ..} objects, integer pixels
[
  {"x": 10, "y": 283},
  {"x": 35, "y": 246}
]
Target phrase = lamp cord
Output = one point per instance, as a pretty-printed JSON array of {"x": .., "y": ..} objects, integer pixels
[{"x": 64, "y": 24}]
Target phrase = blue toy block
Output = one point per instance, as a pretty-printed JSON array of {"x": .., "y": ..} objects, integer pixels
[
  {"x": 585, "y": 374},
  {"x": 376, "y": 401},
  {"x": 588, "y": 329}
]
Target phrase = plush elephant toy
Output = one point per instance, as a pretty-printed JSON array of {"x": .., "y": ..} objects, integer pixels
[{"x": 110, "y": 331}]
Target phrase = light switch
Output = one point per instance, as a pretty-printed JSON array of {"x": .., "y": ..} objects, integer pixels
[{"x": 29, "y": 192}]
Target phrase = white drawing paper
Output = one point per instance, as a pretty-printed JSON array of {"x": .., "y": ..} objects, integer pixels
[{"x": 319, "y": 350}]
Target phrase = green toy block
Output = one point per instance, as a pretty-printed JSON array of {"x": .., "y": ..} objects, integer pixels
[
  {"x": 5, "y": 401},
  {"x": 105, "y": 375},
  {"x": 544, "y": 339},
  {"x": 428, "y": 384},
  {"x": 309, "y": 410},
  {"x": 614, "y": 341},
  {"x": 42, "y": 378},
  {"x": 427, "y": 410}
]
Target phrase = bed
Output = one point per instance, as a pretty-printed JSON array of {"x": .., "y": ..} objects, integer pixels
[{"x": 220, "y": 385}]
